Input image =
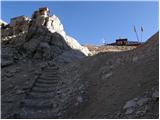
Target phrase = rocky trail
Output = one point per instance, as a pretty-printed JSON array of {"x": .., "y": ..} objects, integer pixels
[{"x": 40, "y": 100}]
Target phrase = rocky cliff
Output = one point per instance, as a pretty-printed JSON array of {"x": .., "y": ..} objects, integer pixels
[{"x": 41, "y": 37}]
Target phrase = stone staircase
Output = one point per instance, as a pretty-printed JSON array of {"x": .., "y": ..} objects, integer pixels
[{"x": 40, "y": 100}]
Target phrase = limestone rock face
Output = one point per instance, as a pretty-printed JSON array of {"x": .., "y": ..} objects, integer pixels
[
  {"x": 45, "y": 37},
  {"x": 53, "y": 24},
  {"x": 75, "y": 45},
  {"x": 41, "y": 43},
  {"x": 42, "y": 17}
]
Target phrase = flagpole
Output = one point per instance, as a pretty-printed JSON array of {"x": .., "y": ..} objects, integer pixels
[
  {"x": 141, "y": 33},
  {"x": 136, "y": 33},
  {"x": 137, "y": 36}
]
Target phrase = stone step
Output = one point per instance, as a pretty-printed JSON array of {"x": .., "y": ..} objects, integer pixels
[
  {"x": 48, "y": 78},
  {"x": 47, "y": 81},
  {"x": 27, "y": 113},
  {"x": 44, "y": 85},
  {"x": 50, "y": 72},
  {"x": 43, "y": 89},
  {"x": 36, "y": 95},
  {"x": 45, "y": 76},
  {"x": 37, "y": 104},
  {"x": 51, "y": 69}
]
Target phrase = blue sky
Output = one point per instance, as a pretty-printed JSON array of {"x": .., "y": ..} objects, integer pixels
[{"x": 91, "y": 22}]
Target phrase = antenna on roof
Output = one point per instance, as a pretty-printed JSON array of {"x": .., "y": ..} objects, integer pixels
[{"x": 136, "y": 33}]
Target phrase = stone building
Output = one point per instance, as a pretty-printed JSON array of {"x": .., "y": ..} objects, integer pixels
[
  {"x": 16, "y": 25},
  {"x": 19, "y": 24}
]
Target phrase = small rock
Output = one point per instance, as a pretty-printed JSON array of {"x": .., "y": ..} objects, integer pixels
[
  {"x": 18, "y": 69},
  {"x": 140, "y": 113},
  {"x": 155, "y": 94},
  {"x": 107, "y": 75},
  {"x": 43, "y": 65},
  {"x": 19, "y": 92},
  {"x": 129, "y": 104},
  {"x": 146, "y": 108},
  {"x": 142, "y": 101},
  {"x": 139, "y": 85},
  {"x": 129, "y": 111},
  {"x": 24, "y": 75},
  {"x": 130, "y": 117},
  {"x": 24, "y": 60},
  {"x": 59, "y": 114},
  {"x": 31, "y": 70},
  {"x": 37, "y": 72},
  {"x": 9, "y": 75},
  {"x": 135, "y": 58},
  {"x": 80, "y": 99},
  {"x": 135, "y": 99},
  {"x": 51, "y": 63},
  {"x": 13, "y": 71}
]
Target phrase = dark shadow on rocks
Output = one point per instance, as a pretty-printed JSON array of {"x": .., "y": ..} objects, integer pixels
[
  {"x": 45, "y": 45},
  {"x": 40, "y": 45}
]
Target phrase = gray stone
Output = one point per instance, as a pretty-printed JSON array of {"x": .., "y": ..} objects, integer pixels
[
  {"x": 20, "y": 92},
  {"x": 9, "y": 75},
  {"x": 80, "y": 99},
  {"x": 107, "y": 75},
  {"x": 6, "y": 63},
  {"x": 142, "y": 101},
  {"x": 130, "y": 104},
  {"x": 155, "y": 94},
  {"x": 129, "y": 111}
]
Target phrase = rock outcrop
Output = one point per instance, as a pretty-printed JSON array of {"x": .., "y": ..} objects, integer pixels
[{"x": 45, "y": 37}]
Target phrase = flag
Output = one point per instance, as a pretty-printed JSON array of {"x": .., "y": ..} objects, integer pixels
[
  {"x": 134, "y": 29},
  {"x": 141, "y": 28}
]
